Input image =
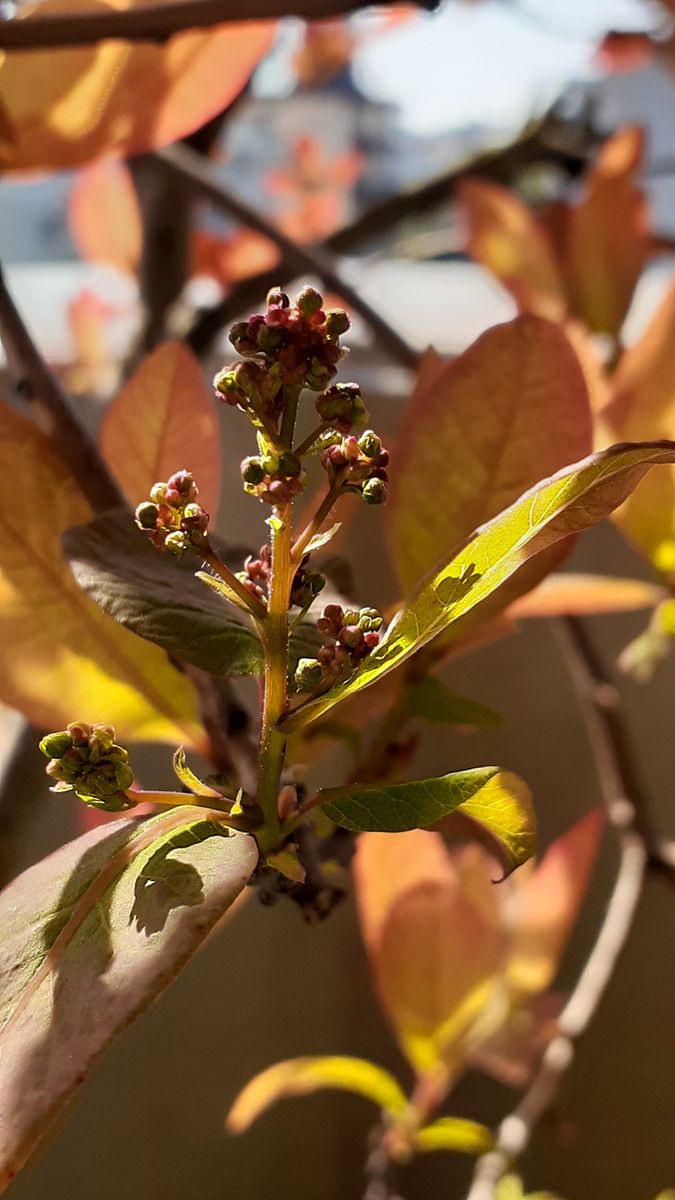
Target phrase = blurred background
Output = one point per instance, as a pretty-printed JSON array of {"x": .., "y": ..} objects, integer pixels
[{"x": 340, "y": 117}]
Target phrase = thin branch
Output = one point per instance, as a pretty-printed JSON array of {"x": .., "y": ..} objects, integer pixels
[
  {"x": 498, "y": 165},
  {"x": 36, "y": 383},
  {"x": 186, "y": 165},
  {"x": 625, "y": 804},
  {"x": 158, "y": 22}
]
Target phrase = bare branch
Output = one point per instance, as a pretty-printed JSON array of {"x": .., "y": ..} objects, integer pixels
[
  {"x": 186, "y": 165},
  {"x": 626, "y": 809},
  {"x": 158, "y": 22}
]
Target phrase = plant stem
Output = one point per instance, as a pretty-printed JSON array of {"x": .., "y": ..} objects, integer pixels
[
  {"x": 275, "y": 699},
  {"x": 311, "y": 438},
  {"x": 251, "y": 602},
  {"x": 313, "y": 527}
]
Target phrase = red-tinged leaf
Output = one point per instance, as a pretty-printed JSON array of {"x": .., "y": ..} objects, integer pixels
[
  {"x": 164, "y": 419},
  {"x": 90, "y": 936},
  {"x": 68, "y": 106},
  {"x": 608, "y": 241},
  {"x": 620, "y": 50},
  {"x": 434, "y": 943},
  {"x": 514, "y": 1052},
  {"x": 63, "y": 659},
  {"x": 643, "y": 406},
  {"x": 503, "y": 235},
  {"x": 547, "y": 905},
  {"x": 91, "y": 372},
  {"x": 584, "y": 595},
  {"x": 229, "y": 260},
  {"x": 479, "y": 432},
  {"x": 105, "y": 217}
]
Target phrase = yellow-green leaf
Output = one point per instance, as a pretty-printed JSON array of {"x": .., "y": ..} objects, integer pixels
[
  {"x": 575, "y": 499},
  {"x": 300, "y": 1076},
  {"x": 64, "y": 659},
  {"x": 454, "y": 1133}
]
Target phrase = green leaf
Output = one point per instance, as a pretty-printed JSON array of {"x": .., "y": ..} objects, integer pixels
[
  {"x": 576, "y": 498},
  {"x": 90, "y": 936},
  {"x": 300, "y": 1076},
  {"x": 431, "y": 700},
  {"x": 498, "y": 801},
  {"x": 188, "y": 778},
  {"x": 159, "y": 597},
  {"x": 454, "y": 1133}
]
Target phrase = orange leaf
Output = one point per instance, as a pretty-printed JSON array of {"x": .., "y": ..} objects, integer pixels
[
  {"x": 548, "y": 903},
  {"x": 608, "y": 240},
  {"x": 68, "y": 106},
  {"x": 231, "y": 259},
  {"x": 63, "y": 658},
  {"x": 504, "y": 236},
  {"x": 164, "y": 419},
  {"x": 584, "y": 595},
  {"x": 433, "y": 938},
  {"x": 478, "y": 433},
  {"x": 643, "y": 407},
  {"x": 105, "y": 217}
]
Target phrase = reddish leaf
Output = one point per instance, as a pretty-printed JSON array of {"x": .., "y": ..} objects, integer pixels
[
  {"x": 621, "y": 50},
  {"x": 608, "y": 234},
  {"x": 105, "y": 217},
  {"x": 68, "y": 106},
  {"x": 478, "y": 433},
  {"x": 585, "y": 595},
  {"x": 231, "y": 259},
  {"x": 505, "y": 237},
  {"x": 164, "y": 419}
]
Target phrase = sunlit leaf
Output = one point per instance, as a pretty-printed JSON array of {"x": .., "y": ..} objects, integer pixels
[
  {"x": 586, "y": 594},
  {"x": 643, "y": 406},
  {"x": 68, "y": 106},
  {"x": 510, "y": 410},
  {"x": 432, "y": 701},
  {"x": 497, "y": 799},
  {"x": 548, "y": 904},
  {"x": 301, "y": 1076},
  {"x": 608, "y": 235},
  {"x": 454, "y": 1133},
  {"x": 105, "y": 217},
  {"x": 231, "y": 259},
  {"x": 164, "y": 419},
  {"x": 431, "y": 929},
  {"x": 90, "y": 936},
  {"x": 501, "y": 817},
  {"x": 574, "y": 499},
  {"x": 506, "y": 238},
  {"x": 63, "y": 659}
]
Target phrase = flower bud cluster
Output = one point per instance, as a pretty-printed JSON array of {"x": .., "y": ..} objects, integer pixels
[
  {"x": 172, "y": 518},
  {"x": 301, "y": 340},
  {"x": 359, "y": 464},
  {"x": 274, "y": 478},
  {"x": 342, "y": 407},
  {"x": 351, "y": 635},
  {"x": 307, "y": 583},
  {"x": 87, "y": 760},
  {"x": 256, "y": 573}
]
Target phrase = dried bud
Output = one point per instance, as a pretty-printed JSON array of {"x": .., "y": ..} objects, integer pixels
[
  {"x": 374, "y": 491},
  {"x": 308, "y": 674}
]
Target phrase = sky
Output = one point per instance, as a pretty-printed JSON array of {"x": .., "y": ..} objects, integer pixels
[{"x": 495, "y": 63}]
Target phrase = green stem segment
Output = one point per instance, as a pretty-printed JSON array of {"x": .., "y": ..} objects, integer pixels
[
  {"x": 275, "y": 644},
  {"x": 315, "y": 524}
]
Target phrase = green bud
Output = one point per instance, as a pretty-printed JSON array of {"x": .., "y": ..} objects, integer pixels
[
  {"x": 308, "y": 674},
  {"x": 176, "y": 542},
  {"x": 309, "y": 301},
  {"x": 337, "y": 322},
  {"x": 374, "y": 491},
  {"x": 158, "y": 493},
  {"x": 370, "y": 444},
  {"x": 277, "y": 299},
  {"x": 289, "y": 465},
  {"x": 56, "y": 744},
  {"x": 370, "y": 620},
  {"x": 252, "y": 471},
  {"x": 146, "y": 515},
  {"x": 270, "y": 464}
]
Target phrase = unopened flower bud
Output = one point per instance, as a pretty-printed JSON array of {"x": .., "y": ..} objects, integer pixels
[
  {"x": 195, "y": 519},
  {"x": 158, "y": 493},
  {"x": 370, "y": 444},
  {"x": 277, "y": 299},
  {"x": 374, "y": 491},
  {"x": 183, "y": 482},
  {"x": 308, "y": 674},
  {"x": 351, "y": 637},
  {"x": 176, "y": 542},
  {"x": 146, "y": 515},
  {"x": 337, "y": 322},
  {"x": 252, "y": 471},
  {"x": 309, "y": 301},
  {"x": 290, "y": 465},
  {"x": 56, "y": 744}
]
